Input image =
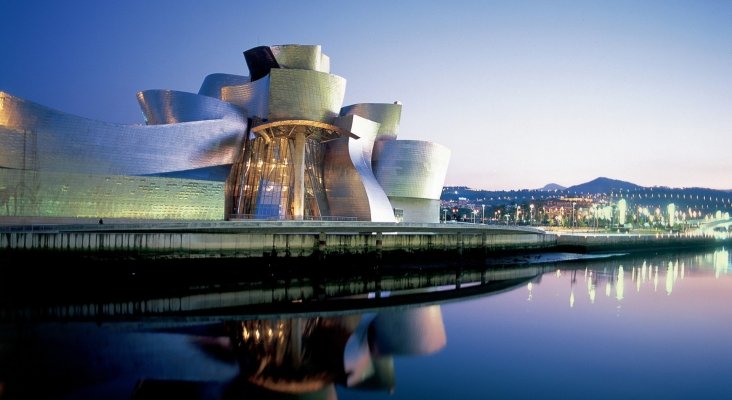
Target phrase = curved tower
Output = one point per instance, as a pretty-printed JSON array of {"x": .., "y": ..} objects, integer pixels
[
  {"x": 302, "y": 160},
  {"x": 412, "y": 173}
]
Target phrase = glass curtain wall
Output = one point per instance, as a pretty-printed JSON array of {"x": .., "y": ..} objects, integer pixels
[{"x": 262, "y": 181}]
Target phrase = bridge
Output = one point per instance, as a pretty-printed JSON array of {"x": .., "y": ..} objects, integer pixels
[{"x": 715, "y": 225}]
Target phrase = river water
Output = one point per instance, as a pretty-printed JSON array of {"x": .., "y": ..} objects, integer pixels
[{"x": 640, "y": 326}]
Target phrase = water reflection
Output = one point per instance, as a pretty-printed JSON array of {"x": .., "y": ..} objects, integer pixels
[
  {"x": 638, "y": 273},
  {"x": 418, "y": 333},
  {"x": 239, "y": 343},
  {"x": 310, "y": 356}
]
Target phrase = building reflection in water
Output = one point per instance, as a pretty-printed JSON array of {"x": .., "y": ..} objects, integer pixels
[
  {"x": 297, "y": 348},
  {"x": 308, "y": 356},
  {"x": 206, "y": 351}
]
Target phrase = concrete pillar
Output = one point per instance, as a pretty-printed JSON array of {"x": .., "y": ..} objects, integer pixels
[{"x": 298, "y": 159}]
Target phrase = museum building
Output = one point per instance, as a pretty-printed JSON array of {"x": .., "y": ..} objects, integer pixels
[{"x": 277, "y": 144}]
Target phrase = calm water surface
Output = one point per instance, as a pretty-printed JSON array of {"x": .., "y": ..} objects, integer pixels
[
  {"x": 639, "y": 328},
  {"x": 631, "y": 327}
]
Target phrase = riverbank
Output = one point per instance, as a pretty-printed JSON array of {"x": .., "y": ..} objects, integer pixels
[{"x": 272, "y": 241}]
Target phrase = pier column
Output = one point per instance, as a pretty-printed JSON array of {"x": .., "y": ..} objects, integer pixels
[
  {"x": 379, "y": 244},
  {"x": 298, "y": 160},
  {"x": 460, "y": 243},
  {"x": 322, "y": 244}
]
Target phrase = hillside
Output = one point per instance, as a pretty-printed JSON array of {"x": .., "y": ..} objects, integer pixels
[{"x": 603, "y": 185}]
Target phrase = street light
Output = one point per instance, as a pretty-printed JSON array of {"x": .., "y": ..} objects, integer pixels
[
  {"x": 482, "y": 214},
  {"x": 531, "y": 214},
  {"x": 573, "y": 220}
]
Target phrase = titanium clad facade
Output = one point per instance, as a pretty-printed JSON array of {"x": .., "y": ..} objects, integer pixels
[
  {"x": 212, "y": 84},
  {"x": 253, "y": 97},
  {"x": 343, "y": 184},
  {"x": 55, "y": 141},
  {"x": 295, "y": 56},
  {"x": 302, "y": 94},
  {"x": 387, "y": 115},
  {"x": 275, "y": 144},
  {"x": 54, "y": 164},
  {"x": 162, "y": 107},
  {"x": 412, "y": 169},
  {"x": 348, "y": 171},
  {"x": 36, "y": 195},
  {"x": 290, "y": 94}
]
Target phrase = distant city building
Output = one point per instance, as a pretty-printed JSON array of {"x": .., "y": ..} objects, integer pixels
[{"x": 277, "y": 144}]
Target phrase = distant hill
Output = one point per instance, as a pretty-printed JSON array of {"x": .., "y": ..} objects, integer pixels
[
  {"x": 656, "y": 196},
  {"x": 550, "y": 187},
  {"x": 603, "y": 185}
]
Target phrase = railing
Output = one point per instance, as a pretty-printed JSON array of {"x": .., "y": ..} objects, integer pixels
[{"x": 234, "y": 217}]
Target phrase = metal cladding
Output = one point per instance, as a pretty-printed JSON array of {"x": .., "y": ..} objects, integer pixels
[
  {"x": 260, "y": 61},
  {"x": 278, "y": 144},
  {"x": 387, "y": 115},
  {"x": 252, "y": 97},
  {"x": 293, "y": 56},
  {"x": 212, "y": 84},
  {"x": 39, "y": 138},
  {"x": 54, "y": 164},
  {"x": 287, "y": 94},
  {"x": 162, "y": 107},
  {"x": 410, "y": 170},
  {"x": 350, "y": 184},
  {"x": 304, "y": 94}
]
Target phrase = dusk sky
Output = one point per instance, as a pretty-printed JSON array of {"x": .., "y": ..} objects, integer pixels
[{"x": 524, "y": 93}]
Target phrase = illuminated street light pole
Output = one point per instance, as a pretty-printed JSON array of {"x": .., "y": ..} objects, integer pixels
[
  {"x": 482, "y": 214},
  {"x": 531, "y": 214}
]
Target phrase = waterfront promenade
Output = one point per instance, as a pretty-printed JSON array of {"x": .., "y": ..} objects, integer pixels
[{"x": 315, "y": 239}]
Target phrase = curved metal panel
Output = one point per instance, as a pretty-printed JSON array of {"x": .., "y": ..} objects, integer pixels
[
  {"x": 360, "y": 153},
  {"x": 252, "y": 97},
  {"x": 344, "y": 188},
  {"x": 213, "y": 83},
  {"x": 386, "y": 114},
  {"x": 260, "y": 61},
  {"x": 351, "y": 186},
  {"x": 296, "y": 56},
  {"x": 302, "y": 94},
  {"x": 49, "y": 194},
  {"x": 359, "y": 128},
  {"x": 33, "y": 137},
  {"x": 172, "y": 106},
  {"x": 411, "y": 168}
]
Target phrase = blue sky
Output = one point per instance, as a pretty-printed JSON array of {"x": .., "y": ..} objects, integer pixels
[{"x": 523, "y": 92}]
